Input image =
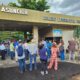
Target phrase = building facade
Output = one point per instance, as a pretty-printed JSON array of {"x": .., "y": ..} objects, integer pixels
[{"x": 40, "y": 24}]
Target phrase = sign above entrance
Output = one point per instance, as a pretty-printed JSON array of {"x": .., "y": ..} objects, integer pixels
[
  {"x": 61, "y": 19},
  {"x": 57, "y": 33},
  {"x": 13, "y": 10}
]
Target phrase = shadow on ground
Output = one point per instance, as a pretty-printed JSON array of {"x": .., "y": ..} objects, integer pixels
[{"x": 65, "y": 71}]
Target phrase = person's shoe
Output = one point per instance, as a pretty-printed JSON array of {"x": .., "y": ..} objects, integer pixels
[
  {"x": 35, "y": 68},
  {"x": 46, "y": 72},
  {"x": 42, "y": 73},
  {"x": 25, "y": 69},
  {"x": 30, "y": 69},
  {"x": 48, "y": 67},
  {"x": 21, "y": 72}
]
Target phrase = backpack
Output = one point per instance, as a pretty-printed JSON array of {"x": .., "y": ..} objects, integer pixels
[{"x": 20, "y": 51}]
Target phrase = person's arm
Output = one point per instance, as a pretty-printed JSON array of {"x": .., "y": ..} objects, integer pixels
[{"x": 52, "y": 51}]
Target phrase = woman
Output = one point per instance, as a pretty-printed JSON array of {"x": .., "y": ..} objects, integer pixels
[
  {"x": 53, "y": 59},
  {"x": 43, "y": 59}
]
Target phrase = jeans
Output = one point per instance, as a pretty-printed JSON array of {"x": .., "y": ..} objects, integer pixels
[
  {"x": 62, "y": 55},
  {"x": 33, "y": 57},
  {"x": 12, "y": 54},
  {"x": 72, "y": 55},
  {"x": 48, "y": 53},
  {"x": 22, "y": 65},
  {"x": 8, "y": 52}
]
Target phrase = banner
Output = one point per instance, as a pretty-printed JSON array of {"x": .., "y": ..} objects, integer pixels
[{"x": 57, "y": 33}]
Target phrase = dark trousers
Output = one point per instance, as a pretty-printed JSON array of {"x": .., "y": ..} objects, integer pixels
[
  {"x": 26, "y": 54},
  {"x": 43, "y": 65},
  {"x": 3, "y": 53}
]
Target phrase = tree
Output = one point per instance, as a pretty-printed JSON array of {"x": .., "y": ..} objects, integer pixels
[
  {"x": 12, "y": 4},
  {"x": 77, "y": 35},
  {"x": 40, "y": 5}
]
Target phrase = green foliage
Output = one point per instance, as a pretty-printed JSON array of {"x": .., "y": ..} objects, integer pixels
[
  {"x": 29, "y": 4},
  {"x": 77, "y": 36},
  {"x": 40, "y": 5},
  {"x": 12, "y": 4},
  {"x": 77, "y": 32}
]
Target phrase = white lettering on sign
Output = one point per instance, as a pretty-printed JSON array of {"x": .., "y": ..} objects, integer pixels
[{"x": 14, "y": 10}]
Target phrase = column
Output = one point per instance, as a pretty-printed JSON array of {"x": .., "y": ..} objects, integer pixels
[{"x": 35, "y": 33}]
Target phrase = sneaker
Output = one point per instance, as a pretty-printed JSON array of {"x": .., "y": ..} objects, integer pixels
[
  {"x": 35, "y": 68},
  {"x": 46, "y": 72},
  {"x": 21, "y": 72},
  {"x": 48, "y": 67},
  {"x": 42, "y": 73},
  {"x": 30, "y": 69},
  {"x": 25, "y": 69}
]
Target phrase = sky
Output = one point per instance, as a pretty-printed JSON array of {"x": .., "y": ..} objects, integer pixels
[{"x": 67, "y": 7}]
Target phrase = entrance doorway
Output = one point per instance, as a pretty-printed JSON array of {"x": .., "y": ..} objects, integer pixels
[{"x": 56, "y": 39}]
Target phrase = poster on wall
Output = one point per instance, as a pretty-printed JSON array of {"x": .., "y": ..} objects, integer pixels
[{"x": 57, "y": 33}]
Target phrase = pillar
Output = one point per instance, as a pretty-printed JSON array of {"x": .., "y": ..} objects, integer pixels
[{"x": 35, "y": 33}]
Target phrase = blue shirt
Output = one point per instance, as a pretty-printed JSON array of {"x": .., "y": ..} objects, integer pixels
[{"x": 15, "y": 44}]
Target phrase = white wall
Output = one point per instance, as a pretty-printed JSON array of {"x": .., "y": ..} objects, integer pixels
[{"x": 67, "y": 35}]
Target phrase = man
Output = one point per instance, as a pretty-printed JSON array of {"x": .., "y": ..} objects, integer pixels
[
  {"x": 32, "y": 48},
  {"x": 15, "y": 47},
  {"x": 72, "y": 45},
  {"x": 3, "y": 52},
  {"x": 21, "y": 57},
  {"x": 12, "y": 53}
]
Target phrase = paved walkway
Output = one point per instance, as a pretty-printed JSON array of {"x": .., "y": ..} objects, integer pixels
[
  {"x": 12, "y": 63},
  {"x": 65, "y": 71},
  {"x": 68, "y": 70},
  {"x": 76, "y": 77}
]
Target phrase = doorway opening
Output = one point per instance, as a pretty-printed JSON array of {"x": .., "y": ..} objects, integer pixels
[{"x": 56, "y": 39}]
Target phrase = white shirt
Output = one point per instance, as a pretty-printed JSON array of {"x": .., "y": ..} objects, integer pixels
[
  {"x": 25, "y": 46},
  {"x": 2, "y": 47},
  {"x": 32, "y": 47}
]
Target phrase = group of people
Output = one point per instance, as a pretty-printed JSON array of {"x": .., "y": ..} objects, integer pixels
[{"x": 48, "y": 52}]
